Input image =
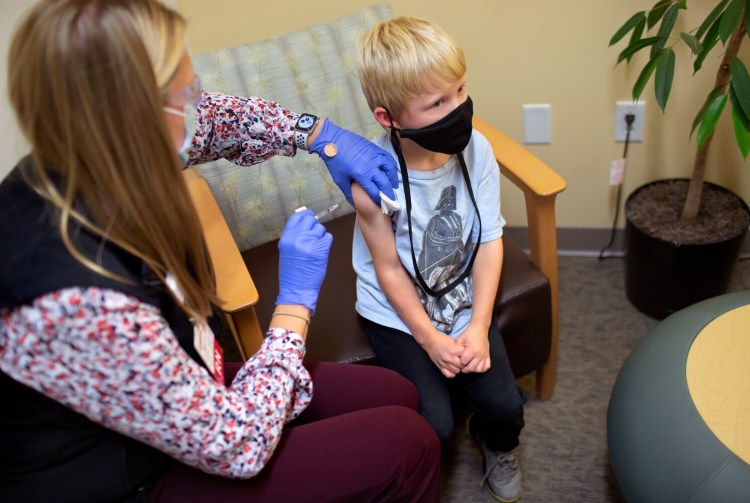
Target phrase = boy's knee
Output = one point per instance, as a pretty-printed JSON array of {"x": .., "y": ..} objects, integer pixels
[{"x": 443, "y": 426}]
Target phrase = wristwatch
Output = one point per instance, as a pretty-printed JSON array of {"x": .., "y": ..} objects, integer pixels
[{"x": 302, "y": 129}]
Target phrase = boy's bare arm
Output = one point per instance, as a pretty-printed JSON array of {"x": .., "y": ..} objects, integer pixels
[
  {"x": 395, "y": 281},
  {"x": 398, "y": 286},
  {"x": 485, "y": 277}
]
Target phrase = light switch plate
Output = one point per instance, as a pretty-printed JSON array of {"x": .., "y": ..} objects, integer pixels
[{"x": 537, "y": 127}]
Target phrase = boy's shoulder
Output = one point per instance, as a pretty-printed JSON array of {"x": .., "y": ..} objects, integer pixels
[
  {"x": 383, "y": 140},
  {"x": 479, "y": 140}
]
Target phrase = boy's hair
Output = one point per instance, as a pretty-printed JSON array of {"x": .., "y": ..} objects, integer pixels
[{"x": 403, "y": 57}]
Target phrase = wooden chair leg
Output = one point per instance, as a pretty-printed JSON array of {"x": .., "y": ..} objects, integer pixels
[{"x": 545, "y": 379}]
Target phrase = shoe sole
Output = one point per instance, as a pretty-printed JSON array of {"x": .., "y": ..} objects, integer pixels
[{"x": 498, "y": 498}]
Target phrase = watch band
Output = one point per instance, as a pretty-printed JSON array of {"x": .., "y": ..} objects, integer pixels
[
  {"x": 300, "y": 139},
  {"x": 302, "y": 129}
]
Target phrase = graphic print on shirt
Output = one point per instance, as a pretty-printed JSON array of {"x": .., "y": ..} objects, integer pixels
[{"x": 441, "y": 258}]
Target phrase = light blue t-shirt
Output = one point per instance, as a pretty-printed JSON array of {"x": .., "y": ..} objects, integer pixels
[{"x": 444, "y": 230}]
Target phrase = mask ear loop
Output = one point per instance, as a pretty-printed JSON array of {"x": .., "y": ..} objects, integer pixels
[
  {"x": 407, "y": 195},
  {"x": 390, "y": 119}
]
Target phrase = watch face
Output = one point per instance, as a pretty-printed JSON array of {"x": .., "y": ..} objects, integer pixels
[{"x": 306, "y": 121}]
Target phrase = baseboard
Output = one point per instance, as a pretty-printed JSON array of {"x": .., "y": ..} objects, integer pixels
[{"x": 591, "y": 242}]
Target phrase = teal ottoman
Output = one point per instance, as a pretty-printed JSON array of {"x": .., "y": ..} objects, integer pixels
[{"x": 678, "y": 422}]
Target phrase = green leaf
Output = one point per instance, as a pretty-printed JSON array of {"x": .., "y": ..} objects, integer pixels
[
  {"x": 736, "y": 107},
  {"x": 741, "y": 84},
  {"x": 631, "y": 23},
  {"x": 636, "y": 35},
  {"x": 661, "y": 3},
  {"x": 731, "y": 19},
  {"x": 711, "y": 97},
  {"x": 692, "y": 42},
  {"x": 741, "y": 134},
  {"x": 657, "y": 11},
  {"x": 633, "y": 48},
  {"x": 712, "y": 36},
  {"x": 646, "y": 74},
  {"x": 710, "y": 19},
  {"x": 664, "y": 76},
  {"x": 665, "y": 29},
  {"x": 747, "y": 18},
  {"x": 708, "y": 124}
]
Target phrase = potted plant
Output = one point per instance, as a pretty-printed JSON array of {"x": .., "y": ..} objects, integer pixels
[{"x": 683, "y": 236}]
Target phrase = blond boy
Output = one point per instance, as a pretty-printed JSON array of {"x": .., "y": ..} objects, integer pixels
[{"x": 427, "y": 275}]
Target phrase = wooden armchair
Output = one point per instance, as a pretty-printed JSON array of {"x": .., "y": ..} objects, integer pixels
[{"x": 527, "y": 305}]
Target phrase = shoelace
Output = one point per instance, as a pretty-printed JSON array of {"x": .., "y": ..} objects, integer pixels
[{"x": 506, "y": 462}]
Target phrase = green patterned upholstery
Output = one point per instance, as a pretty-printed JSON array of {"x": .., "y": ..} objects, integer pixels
[{"x": 310, "y": 70}]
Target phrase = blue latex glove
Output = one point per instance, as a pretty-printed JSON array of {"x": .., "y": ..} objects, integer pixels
[
  {"x": 356, "y": 159},
  {"x": 303, "y": 258}
]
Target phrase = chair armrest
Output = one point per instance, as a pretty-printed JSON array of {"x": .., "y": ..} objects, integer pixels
[
  {"x": 234, "y": 285},
  {"x": 540, "y": 186}
]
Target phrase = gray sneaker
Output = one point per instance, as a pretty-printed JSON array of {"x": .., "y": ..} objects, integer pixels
[{"x": 502, "y": 473}]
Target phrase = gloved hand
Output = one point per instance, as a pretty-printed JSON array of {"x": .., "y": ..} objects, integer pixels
[
  {"x": 303, "y": 257},
  {"x": 356, "y": 158}
]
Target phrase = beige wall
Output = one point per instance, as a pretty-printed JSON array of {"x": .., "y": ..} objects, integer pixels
[
  {"x": 546, "y": 51},
  {"x": 12, "y": 143}
]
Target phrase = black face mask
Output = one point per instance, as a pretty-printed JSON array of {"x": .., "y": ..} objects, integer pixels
[{"x": 449, "y": 135}]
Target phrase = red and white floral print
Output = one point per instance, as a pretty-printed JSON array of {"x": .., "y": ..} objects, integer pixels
[
  {"x": 115, "y": 360},
  {"x": 244, "y": 131}
]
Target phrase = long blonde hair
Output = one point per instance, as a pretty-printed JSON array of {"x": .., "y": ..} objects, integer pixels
[
  {"x": 400, "y": 58},
  {"x": 85, "y": 80}
]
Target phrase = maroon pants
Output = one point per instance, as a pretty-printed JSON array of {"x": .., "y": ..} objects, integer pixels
[{"x": 360, "y": 440}]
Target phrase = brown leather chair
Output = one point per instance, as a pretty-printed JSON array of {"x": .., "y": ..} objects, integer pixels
[{"x": 526, "y": 304}]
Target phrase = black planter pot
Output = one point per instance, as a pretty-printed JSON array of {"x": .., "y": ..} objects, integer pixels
[{"x": 662, "y": 277}]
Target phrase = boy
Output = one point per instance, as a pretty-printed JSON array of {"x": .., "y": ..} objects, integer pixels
[{"x": 427, "y": 275}]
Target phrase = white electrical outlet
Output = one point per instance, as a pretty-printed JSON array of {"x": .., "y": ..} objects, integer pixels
[{"x": 623, "y": 108}]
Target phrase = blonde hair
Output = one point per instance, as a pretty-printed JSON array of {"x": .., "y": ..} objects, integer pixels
[
  {"x": 85, "y": 80},
  {"x": 401, "y": 58}
]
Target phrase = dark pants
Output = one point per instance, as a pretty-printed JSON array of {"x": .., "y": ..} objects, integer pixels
[
  {"x": 493, "y": 395},
  {"x": 360, "y": 440}
]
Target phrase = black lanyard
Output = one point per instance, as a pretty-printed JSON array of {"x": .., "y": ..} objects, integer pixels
[{"x": 407, "y": 194}]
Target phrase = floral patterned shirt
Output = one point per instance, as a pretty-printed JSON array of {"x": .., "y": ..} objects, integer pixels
[
  {"x": 115, "y": 360},
  {"x": 244, "y": 131}
]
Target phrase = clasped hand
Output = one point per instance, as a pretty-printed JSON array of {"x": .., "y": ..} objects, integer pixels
[
  {"x": 303, "y": 259},
  {"x": 469, "y": 353}
]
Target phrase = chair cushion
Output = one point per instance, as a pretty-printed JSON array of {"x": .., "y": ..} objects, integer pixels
[
  {"x": 335, "y": 331},
  {"x": 523, "y": 310}
]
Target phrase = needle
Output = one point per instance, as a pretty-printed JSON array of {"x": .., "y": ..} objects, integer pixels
[{"x": 326, "y": 211}]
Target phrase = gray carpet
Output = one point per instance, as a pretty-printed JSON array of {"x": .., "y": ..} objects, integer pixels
[{"x": 564, "y": 444}]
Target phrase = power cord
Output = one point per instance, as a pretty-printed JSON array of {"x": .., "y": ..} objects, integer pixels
[{"x": 629, "y": 119}]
